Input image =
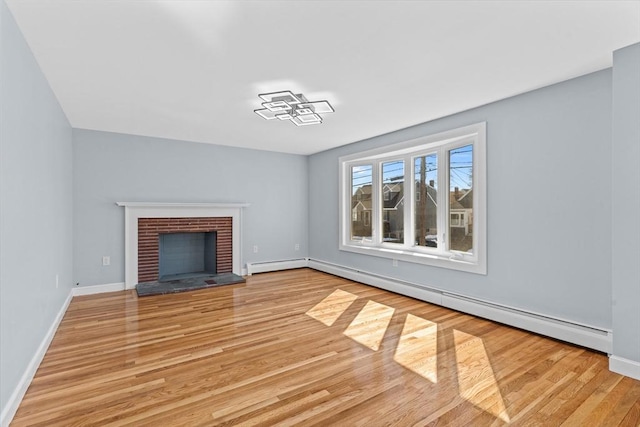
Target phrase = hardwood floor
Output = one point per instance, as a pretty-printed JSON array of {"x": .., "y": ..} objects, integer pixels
[{"x": 304, "y": 348}]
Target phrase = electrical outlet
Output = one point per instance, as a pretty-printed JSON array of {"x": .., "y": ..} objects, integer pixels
[
  {"x": 297, "y": 247},
  {"x": 57, "y": 280},
  {"x": 255, "y": 249},
  {"x": 106, "y": 260},
  {"x": 395, "y": 262}
]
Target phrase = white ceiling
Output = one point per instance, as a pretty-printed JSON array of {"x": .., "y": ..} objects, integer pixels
[{"x": 192, "y": 70}]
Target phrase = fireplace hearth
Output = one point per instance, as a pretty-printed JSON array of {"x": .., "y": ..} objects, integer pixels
[{"x": 188, "y": 284}]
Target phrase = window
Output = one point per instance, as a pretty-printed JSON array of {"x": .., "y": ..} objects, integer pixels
[
  {"x": 361, "y": 179},
  {"x": 392, "y": 207},
  {"x": 420, "y": 201}
]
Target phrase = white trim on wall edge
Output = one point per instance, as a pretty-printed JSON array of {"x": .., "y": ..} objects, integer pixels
[
  {"x": 626, "y": 367},
  {"x": 98, "y": 289},
  {"x": 263, "y": 267},
  {"x": 21, "y": 388},
  {"x": 583, "y": 335},
  {"x": 597, "y": 339},
  {"x": 422, "y": 294}
]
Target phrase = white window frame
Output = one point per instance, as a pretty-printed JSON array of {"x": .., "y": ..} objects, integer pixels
[{"x": 441, "y": 144}]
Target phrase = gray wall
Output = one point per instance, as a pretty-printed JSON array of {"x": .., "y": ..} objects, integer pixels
[
  {"x": 626, "y": 203},
  {"x": 112, "y": 167},
  {"x": 548, "y": 206},
  {"x": 35, "y": 206}
]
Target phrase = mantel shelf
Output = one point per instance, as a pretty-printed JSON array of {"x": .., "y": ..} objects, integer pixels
[{"x": 181, "y": 205}]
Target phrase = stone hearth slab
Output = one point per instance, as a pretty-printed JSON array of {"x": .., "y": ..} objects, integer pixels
[{"x": 190, "y": 284}]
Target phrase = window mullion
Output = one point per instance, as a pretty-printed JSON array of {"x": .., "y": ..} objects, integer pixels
[
  {"x": 376, "y": 203},
  {"x": 443, "y": 200},
  {"x": 409, "y": 202}
]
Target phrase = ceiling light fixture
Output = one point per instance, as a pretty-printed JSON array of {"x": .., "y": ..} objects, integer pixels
[{"x": 295, "y": 108}]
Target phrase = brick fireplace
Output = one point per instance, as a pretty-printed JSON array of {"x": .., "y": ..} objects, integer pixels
[
  {"x": 145, "y": 221},
  {"x": 149, "y": 230}
]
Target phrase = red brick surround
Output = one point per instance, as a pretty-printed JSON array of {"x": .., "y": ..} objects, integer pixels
[{"x": 148, "y": 241}]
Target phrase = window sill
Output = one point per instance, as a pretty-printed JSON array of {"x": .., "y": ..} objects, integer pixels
[{"x": 435, "y": 260}]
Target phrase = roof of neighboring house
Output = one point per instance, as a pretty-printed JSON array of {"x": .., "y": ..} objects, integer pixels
[
  {"x": 467, "y": 199},
  {"x": 364, "y": 191},
  {"x": 432, "y": 195},
  {"x": 365, "y": 204},
  {"x": 463, "y": 200},
  {"x": 397, "y": 196}
]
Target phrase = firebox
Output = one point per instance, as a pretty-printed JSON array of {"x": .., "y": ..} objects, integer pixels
[{"x": 183, "y": 255}]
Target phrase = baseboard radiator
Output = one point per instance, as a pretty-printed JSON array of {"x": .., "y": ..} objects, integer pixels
[
  {"x": 583, "y": 335},
  {"x": 263, "y": 267}
]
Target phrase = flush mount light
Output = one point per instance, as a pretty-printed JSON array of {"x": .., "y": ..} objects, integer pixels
[{"x": 293, "y": 107}]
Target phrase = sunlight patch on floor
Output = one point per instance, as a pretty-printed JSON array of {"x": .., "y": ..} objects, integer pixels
[
  {"x": 418, "y": 347},
  {"x": 476, "y": 380},
  {"x": 370, "y": 325},
  {"x": 331, "y": 308}
]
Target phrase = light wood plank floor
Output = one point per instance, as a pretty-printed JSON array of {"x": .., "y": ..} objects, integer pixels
[{"x": 304, "y": 348}]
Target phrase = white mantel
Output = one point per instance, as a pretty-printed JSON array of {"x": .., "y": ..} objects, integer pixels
[
  {"x": 135, "y": 210},
  {"x": 181, "y": 205}
]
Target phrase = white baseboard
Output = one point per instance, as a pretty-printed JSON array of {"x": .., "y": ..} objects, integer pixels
[
  {"x": 98, "y": 289},
  {"x": 562, "y": 329},
  {"x": 422, "y": 294},
  {"x": 585, "y": 336},
  {"x": 626, "y": 367},
  {"x": 263, "y": 267},
  {"x": 18, "y": 393}
]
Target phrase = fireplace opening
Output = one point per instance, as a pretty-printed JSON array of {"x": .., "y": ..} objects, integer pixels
[
  {"x": 150, "y": 231},
  {"x": 185, "y": 255}
]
